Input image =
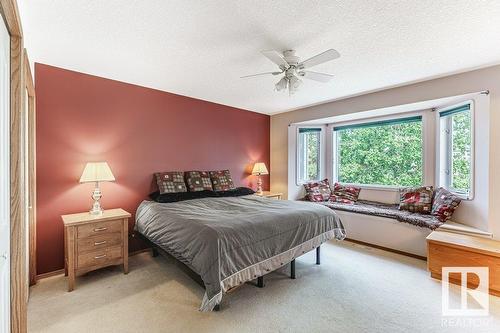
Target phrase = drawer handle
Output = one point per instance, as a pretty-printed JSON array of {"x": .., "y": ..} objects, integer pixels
[
  {"x": 100, "y": 257},
  {"x": 99, "y": 243},
  {"x": 100, "y": 229}
]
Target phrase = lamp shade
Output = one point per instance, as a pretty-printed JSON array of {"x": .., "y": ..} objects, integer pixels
[
  {"x": 97, "y": 172},
  {"x": 260, "y": 169}
]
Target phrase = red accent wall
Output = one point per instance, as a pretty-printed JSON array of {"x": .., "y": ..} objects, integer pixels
[{"x": 138, "y": 131}]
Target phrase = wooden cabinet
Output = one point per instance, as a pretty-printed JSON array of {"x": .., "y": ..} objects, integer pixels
[
  {"x": 446, "y": 249},
  {"x": 92, "y": 242}
]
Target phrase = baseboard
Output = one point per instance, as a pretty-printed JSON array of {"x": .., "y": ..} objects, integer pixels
[
  {"x": 49, "y": 274},
  {"x": 61, "y": 271},
  {"x": 386, "y": 249}
]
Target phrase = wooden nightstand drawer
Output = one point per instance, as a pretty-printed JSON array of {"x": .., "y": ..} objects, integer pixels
[
  {"x": 99, "y": 242},
  {"x": 99, "y": 228},
  {"x": 99, "y": 258}
]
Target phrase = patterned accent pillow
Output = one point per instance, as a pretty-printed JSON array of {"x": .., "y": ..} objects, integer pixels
[
  {"x": 221, "y": 180},
  {"x": 318, "y": 191},
  {"x": 170, "y": 182},
  {"x": 198, "y": 181},
  {"x": 416, "y": 199},
  {"x": 347, "y": 192},
  {"x": 444, "y": 204}
]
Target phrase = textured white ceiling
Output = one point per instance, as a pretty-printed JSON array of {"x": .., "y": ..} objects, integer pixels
[{"x": 201, "y": 48}]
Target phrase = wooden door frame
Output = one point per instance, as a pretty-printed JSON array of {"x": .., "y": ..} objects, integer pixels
[
  {"x": 18, "y": 271},
  {"x": 31, "y": 136}
]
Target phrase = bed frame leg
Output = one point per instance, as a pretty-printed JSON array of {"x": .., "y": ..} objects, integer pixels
[
  {"x": 318, "y": 255},
  {"x": 292, "y": 269},
  {"x": 260, "y": 282},
  {"x": 154, "y": 252}
]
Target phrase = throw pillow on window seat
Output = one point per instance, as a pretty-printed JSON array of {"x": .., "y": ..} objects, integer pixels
[
  {"x": 318, "y": 191},
  {"x": 345, "y": 193},
  {"x": 416, "y": 199},
  {"x": 444, "y": 204}
]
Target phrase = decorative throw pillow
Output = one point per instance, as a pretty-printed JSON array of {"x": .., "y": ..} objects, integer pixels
[
  {"x": 444, "y": 204},
  {"x": 198, "y": 181},
  {"x": 221, "y": 180},
  {"x": 318, "y": 191},
  {"x": 347, "y": 192},
  {"x": 170, "y": 182},
  {"x": 416, "y": 199}
]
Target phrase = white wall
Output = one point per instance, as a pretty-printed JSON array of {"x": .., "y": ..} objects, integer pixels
[{"x": 484, "y": 210}]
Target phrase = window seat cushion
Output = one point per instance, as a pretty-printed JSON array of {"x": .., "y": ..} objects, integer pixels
[{"x": 387, "y": 210}]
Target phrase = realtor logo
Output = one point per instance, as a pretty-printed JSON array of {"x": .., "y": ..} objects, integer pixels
[{"x": 473, "y": 302}]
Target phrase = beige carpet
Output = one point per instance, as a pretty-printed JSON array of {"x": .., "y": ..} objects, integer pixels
[{"x": 356, "y": 289}]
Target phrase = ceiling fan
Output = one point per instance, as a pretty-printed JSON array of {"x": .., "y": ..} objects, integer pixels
[{"x": 293, "y": 68}]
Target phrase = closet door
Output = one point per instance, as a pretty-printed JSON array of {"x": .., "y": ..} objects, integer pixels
[{"x": 4, "y": 179}]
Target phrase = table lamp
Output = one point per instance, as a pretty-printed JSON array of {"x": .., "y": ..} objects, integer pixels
[
  {"x": 96, "y": 172},
  {"x": 259, "y": 169}
]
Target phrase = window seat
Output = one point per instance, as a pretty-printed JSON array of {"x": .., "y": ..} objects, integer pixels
[
  {"x": 387, "y": 210},
  {"x": 383, "y": 225}
]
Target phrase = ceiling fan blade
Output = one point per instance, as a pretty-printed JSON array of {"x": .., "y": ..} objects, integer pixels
[
  {"x": 276, "y": 57},
  {"x": 267, "y": 73},
  {"x": 320, "y": 77},
  {"x": 328, "y": 55}
]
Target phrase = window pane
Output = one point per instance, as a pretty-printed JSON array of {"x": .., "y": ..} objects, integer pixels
[
  {"x": 309, "y": 155},
  {"x": 461, "y": 152},
  {"x": 388, "y": 154}
]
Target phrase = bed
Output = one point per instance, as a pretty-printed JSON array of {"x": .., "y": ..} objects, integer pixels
[{"x": 229, "y": 241}]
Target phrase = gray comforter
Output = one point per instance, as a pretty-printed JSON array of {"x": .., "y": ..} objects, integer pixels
[{"x": 228, "y": 241}]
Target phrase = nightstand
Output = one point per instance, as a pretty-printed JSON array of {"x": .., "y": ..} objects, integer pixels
[
  {"x": 94, "y": 241},
  {"x": 268, "y": 194}
]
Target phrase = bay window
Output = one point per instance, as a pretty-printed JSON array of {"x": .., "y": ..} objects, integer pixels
[
  {"x": 308, "y": 154},
  {"x": 381, "y": 153},
  {"x": 455, "y": 150}
]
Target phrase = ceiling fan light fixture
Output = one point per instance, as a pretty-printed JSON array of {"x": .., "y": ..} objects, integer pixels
[
  {"x": 282, "y": 84},
  {"x": 294, "y": 84}
]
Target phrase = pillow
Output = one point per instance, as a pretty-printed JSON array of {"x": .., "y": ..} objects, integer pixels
[
  {"x": 221, "y": 180},
  {"x": 198, "y": 181},
  {"x": 416, "y": 199},
  {"x": 170, "y": 182},
  {"x": 237, "y": 192},
  {"x": 346, "y": 192},
  {"x": 318, "y": 191},
  {"x": 444, "y": 204},
  {"x": 180, "y": 196}
]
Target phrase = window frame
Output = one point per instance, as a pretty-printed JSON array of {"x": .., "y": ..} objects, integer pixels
[
  {"x": 334, "y": 147},
  {"x": 441, "y": 178},
  {"x": 322, "y": 159}
]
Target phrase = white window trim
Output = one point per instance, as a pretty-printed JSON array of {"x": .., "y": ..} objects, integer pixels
[
  {"x": 393, "y": 188},
  {"x": 322, "y": 150},
  {"x": 439, "y": 148}
]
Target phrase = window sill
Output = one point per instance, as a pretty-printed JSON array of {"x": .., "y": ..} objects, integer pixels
[{"x": 376, "y": 187}]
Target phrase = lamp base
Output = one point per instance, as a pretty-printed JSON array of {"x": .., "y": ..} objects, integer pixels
[
  {"x": 259, "y": 185},
  {"x": 95, "y": 211},
  {"x": 96, "y": 206}
]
